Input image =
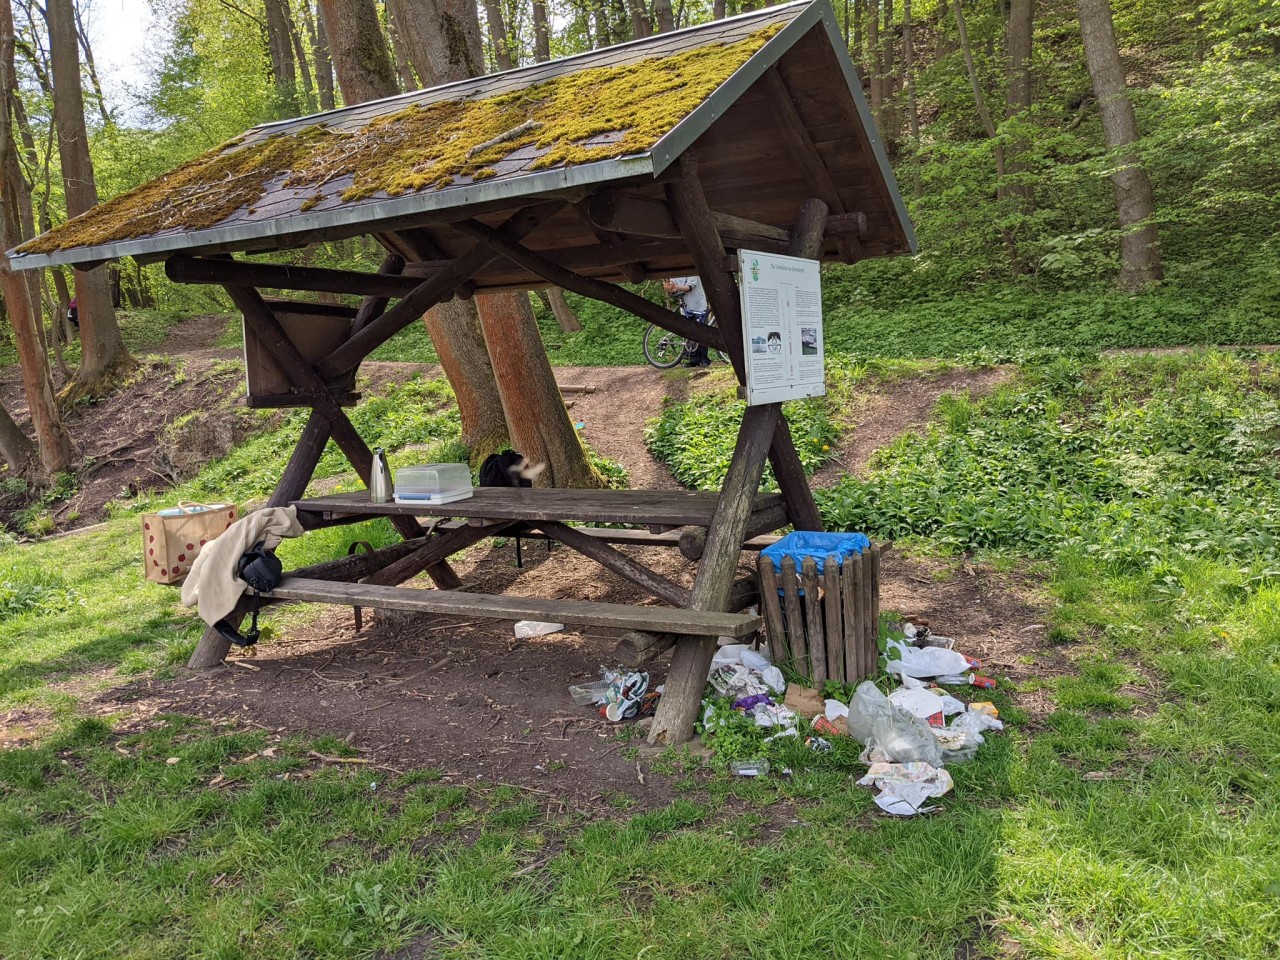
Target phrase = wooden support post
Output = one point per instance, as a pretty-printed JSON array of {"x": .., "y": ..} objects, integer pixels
[
  {"x": 772, "y": 609},
  {"x": 617, "y": 561},
  {"x": 814, "y": 628},
  {"x": 213, "y": 646},
  {"x": 713, "y": 585}
]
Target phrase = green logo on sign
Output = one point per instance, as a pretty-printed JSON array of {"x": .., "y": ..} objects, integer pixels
[{"x": 755, "y": 271}]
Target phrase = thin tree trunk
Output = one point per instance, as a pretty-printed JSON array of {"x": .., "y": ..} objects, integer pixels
[
  {"x": 541, "y": 34},
  {"x": 874, "y": 73},
  {"x": 324, "y": 65},
  {"x": 300, "y": 55},
  {"x": 889, "y": 121},
  {"x": 280, "y": 55},
  {"x": 530, "y": 395},
  {"x": 103, "y": 354},
  {"x": 404, "y": 68},
  {"x": 988, "y": 125},
  {"x": 1135, "y": 206},
  {"x": 604, "y": 33},
  {"x": 913, "y": 113},
  {"x": 717, "y": 10},
  {"x": 92, "y": 69},
  {"x": 21, "y": 293},
  {"x": 498, "y": 38}
]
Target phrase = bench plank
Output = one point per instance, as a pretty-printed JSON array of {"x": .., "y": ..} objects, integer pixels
[
  {"x": 460, "y": 603},
  {"x": 669, "y": 508}
]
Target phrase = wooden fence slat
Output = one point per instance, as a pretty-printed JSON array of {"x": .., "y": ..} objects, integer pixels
[
  {"x": 796, "y": 648},
  {"x": 873, "y": 649},
  {"x": 867, "y": 643},
  {"x": 853, "y": 627},
  {"x": 772, "y": 609},
  {"x": 831, "y": 611},
  {"x": 817, "y": 647}
]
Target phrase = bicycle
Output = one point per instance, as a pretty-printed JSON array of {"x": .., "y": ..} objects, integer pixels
[{"x": 664, "y": 349}]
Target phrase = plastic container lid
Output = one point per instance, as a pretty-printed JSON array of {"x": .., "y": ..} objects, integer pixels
[{"x": 434, "y": 478}]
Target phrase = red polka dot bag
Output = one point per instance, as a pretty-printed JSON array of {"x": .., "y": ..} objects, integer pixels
[{"x": 172, "y": 538}]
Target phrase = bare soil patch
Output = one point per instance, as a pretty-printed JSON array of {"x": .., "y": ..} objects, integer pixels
[
  {"x": 467, "y": 698},
  {"x": 897, "y": 407}
]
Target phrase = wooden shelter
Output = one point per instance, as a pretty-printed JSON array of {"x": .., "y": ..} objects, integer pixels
[{"x": 649, "y": 159}]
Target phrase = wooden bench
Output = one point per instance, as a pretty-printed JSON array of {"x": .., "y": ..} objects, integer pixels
[{"x": 462, "y": 604}]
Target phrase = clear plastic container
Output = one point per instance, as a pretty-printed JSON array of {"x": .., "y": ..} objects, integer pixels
[
  {"x": 750, "y": 768},
  {"x": 585, "y": 694},
  {"x": 434, "y": 481}
]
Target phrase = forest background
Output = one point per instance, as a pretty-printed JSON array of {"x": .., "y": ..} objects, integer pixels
[{"x": 1033, "y": 231}]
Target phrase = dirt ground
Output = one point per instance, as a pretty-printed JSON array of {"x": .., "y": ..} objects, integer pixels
[{"x": 465, "y": 696}]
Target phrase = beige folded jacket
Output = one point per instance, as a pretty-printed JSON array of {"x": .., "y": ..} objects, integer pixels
[{"x": 212, "y": 583}]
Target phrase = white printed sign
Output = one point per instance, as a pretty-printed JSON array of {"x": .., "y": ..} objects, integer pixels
[{"x": 782, "y": 327}]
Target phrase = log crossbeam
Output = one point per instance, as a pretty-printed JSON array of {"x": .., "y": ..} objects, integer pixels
[{"x": 504, "y": 243}]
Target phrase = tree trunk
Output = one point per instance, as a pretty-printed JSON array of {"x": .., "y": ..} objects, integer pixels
[
  {"x": 324, "y": 65},
  {"x": 889, "y": 119},
  {"x": 541, "y": 35},
  {"x": 280, "y": 51},
  {"x": 498, "y": 37},
  {"x": 913, "y": 112},
  {"x": 1018, "y": 40},
  {"x": 442, "y": 38},
  {"x": 103, "y": 354},
  {"x": 980, "y": 101},
  {"x": 640, "y": 25},
  {"x": 560, "y": 309},
  {"x": 21, "y": 294},
  {"x": 358, "y": 50},
  {"x": 1135, "y": 206},
  {"x": 604, "y": 36},
  {"x": 662, "y": 12},
  {"x": 535, "y": 412},
  {"x": 717, "y": 10}
]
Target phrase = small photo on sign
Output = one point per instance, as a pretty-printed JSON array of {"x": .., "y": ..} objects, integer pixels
[
  {"x": 775, "y": 341},
  {"x": 809, "y": 341},
  {"x": 757, "y": 345}
]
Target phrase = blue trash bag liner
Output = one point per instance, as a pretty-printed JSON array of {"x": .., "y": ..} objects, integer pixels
[{"x": 800, "y": 544}]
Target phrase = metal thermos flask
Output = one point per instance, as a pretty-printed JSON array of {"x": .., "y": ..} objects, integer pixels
[{"x": 380, "y": 488}]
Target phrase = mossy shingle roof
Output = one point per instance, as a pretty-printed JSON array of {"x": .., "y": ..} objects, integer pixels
[{"x": 608, "y": 114}]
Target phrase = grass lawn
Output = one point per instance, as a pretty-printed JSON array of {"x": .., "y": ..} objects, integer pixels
[{"x": 1140, "y": 818}]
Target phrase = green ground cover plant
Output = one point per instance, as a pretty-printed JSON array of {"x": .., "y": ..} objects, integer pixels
[{"x": 1137, "y": 817}]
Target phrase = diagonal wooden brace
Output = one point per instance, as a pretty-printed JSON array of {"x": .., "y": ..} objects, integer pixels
[
  {"x": 508, "y": 245},
  {"x": 617, "y": 561},
  {"x": 260, "y": 322}
]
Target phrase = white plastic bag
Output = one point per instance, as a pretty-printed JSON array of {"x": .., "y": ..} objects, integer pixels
[
  {"x": 904, "y": 787},
  {"x": 525, "y": 629},
  {"x": 926, "y": 662},
  {"x": 888, "y": 732}
]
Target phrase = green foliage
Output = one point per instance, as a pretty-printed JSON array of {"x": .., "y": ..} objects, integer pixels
[
  {"x": 24, "y": 589},
  {"x": 1132, "y": 461},
  {"x": 695, "y": 437}
]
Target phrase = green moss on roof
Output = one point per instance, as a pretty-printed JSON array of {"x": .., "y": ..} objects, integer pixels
[{"x": 424, "y": 147}]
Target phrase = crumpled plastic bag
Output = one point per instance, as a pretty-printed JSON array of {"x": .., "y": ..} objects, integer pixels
[
  {"x": 961, "y": 740},
  {"x": 890, "y": 733},
  {"x": 927, "y": 661},
  {"x": 904, "y": 787},
  {"x": 735, "y": 681}
]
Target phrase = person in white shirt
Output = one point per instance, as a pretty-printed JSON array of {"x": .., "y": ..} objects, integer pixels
[{"x": 693, "y": 304}]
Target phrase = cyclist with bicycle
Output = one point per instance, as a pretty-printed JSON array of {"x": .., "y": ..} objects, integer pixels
[{"x": 689, "y": 292}]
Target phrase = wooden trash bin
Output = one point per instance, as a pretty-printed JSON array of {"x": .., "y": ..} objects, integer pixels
[{"x": 826, "y": 626}]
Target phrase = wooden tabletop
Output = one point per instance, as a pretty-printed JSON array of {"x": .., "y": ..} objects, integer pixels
[{"x": 669, "y": 508}]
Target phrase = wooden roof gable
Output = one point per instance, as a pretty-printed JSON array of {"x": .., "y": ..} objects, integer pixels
[{"x": 769, "y": 101}]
